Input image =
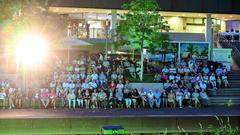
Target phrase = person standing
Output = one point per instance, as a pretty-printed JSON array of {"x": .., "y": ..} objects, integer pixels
[
  {"x": 53, "y": 98},
  {"x": 143, "y": 96},
  {"x": 102, "y": 96},
  {"x": 179, "y": 97},
  {"x": 119, "y": 97},
  {"x": 87, "y": 97},
  {"x": 150, "y": 97},
  {"x": 3, "y": 96},
  {"x": 11, "y": 97},
  {"x": 136, "y": 98},
  {"x": 164, "y": 98},
  {"x": 79, "y": 98},
  {"x": 195, "y": 97},
  {"x": 71, "y": 97},
  {"x": 157, "y": 98},
  {"x": 128, "y": 98},
  {"x": 45, "y": 97},
  {"x": 19, "y": 97},
  {"x": 171, "y": 99},
  {"x": 94, "y": 99}
]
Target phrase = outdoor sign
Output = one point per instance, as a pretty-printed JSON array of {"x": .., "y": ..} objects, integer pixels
[
  {"x": 224, "y": 56},
  {"x": 168, "y": 54},
  {"x": 195, "y": 50}
]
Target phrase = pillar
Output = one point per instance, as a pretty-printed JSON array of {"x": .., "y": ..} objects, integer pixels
[
  {"x": 113, "y": 28},
  {"x": 208, "y": 33}
]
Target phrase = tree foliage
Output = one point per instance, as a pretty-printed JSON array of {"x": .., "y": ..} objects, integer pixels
[
  {"x": 141, "y": 26},
  {"x": 22, "y": 16}
]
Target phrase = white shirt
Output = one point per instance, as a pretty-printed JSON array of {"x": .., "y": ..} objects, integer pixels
[
  {"x": 173, "y": 70},
  {"x": 120, "y": 86},
  {"x": 94, "y": 76},
  {"x": 171, "y": 77},
  {"x": 2, "y": 95},
  {"x": 65, "y": 85},
  {"x": 203, "y": 86},
  {"x": 93, "y": 85},
  {"x": 85, "y": 86},
  {"x": 165, "y": 70},
  {"x": 212, "y": 78},
  {"x": 187, "y": 95},
  {"x": 179, "y": 95},
  {"x": 150, "y": 95}
]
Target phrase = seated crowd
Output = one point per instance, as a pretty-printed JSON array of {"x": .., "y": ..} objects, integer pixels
[{"x": 100, "y": 82}]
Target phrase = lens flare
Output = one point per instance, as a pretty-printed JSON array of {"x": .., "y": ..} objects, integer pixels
[{"x": 31, "y": 50}]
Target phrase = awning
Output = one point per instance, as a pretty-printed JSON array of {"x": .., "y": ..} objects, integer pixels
[{"x": 74, "y": 42}]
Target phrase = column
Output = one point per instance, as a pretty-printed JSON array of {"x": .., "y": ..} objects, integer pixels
[
  {"x": 208, "y": 33},
  {"x": 113, "y": 28}
]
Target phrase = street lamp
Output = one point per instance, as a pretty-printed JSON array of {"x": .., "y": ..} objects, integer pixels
[{"x": 31, "y": 50}]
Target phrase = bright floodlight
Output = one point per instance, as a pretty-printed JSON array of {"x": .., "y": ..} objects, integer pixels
[{"x": 31, "y": 50}]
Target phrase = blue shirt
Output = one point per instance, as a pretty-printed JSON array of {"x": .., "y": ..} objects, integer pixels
[
  {"x": 157, "y": 95},
  {"x": 195, "y": 95},
  {"x": 219, "y": 71},
  {"x": 205, "y": 70},
  {"x": 102, "y": 77}
]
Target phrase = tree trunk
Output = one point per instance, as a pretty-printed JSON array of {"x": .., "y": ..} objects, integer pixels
[
  {"x": 133, "y": 54},
  {"x": 142, "y": 58}
]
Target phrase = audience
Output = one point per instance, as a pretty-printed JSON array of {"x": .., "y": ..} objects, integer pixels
[{"x": 102, "y": 82}]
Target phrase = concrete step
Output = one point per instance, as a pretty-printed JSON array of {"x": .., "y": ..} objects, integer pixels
[
  {"x": 235, "y": 71},
  {"x": 233, "y": 76},
  {"x": 224, "y": 104},
  {"x": 225, "y": 100},
  {"x": 235, "y": 85},
  {"x": 233, "y": 81},
  {"x": 228, "y": 93}
]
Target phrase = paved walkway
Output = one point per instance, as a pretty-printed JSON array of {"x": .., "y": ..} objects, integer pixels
[{"x": 117, "y": 112}]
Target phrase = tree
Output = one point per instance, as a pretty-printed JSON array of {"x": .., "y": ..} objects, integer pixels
[
  {"x": 141, "y": 26},
  {"x": 27, "y": 16},
  {"x": 19, "y": 16}
]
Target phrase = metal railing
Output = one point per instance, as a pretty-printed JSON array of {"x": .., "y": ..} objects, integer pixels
[
  {"x": 225, "y": 43},
  {"x": 91, "y": 33}
]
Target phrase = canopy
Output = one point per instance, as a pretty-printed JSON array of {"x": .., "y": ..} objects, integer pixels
[{"x": 74, "y": 42}]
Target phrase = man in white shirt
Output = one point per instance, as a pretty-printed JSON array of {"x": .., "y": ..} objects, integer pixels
[
  {"x": 150, "y": 97},
  {"x": 2, "y": 97},
  {"x": 93, "y": 85},
  {"x": 179, "y": 98},
  {"x": 106, "y": 64},
  {"x": 203, "y": 85},
  {"x": 85, "y": 85},
  {"x": 94, "y": 76},
  {"x": 114, "y": 76},
  {"x": 120, "y": 86},
  {"x": 165, "y": 70}
]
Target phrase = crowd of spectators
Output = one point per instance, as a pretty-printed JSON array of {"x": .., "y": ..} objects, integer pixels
[{"x": 102, "y": 82}]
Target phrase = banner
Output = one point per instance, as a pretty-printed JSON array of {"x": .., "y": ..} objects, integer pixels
[
  {"x": 224, "y": 56},
  {"x": 195, "y": 50}
]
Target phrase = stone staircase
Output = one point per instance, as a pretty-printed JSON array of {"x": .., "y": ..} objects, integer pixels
[
  {"x": 234, "y": 79},
  {"x": 227, "y": 96}
]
